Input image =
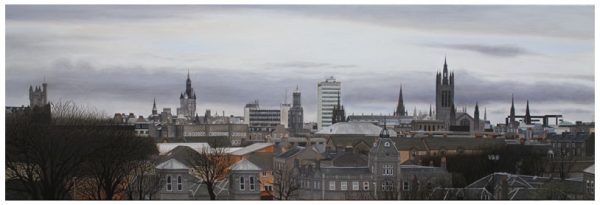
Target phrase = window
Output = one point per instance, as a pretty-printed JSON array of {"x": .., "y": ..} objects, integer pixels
[
  {"x": 251, "y": 183},
  {"x": 405, "y": 186},
  {"x": 365, "y": 186},
  {"x": 344, "y": 186},
  {"x": 169, "y": 188},
  {"x": 388, "y": 169},
  {"x": 264, "y": 174},
  {"x": 386, "y": 144},
  {"x": 332, "y": 185},
  {"x": 242, "y": 183},
  {"x": 179, "y": 183},
  {"x": 354, "y": 186},
  {"x": 387, "y": 186},
  {"x": 268, "y": 187}
]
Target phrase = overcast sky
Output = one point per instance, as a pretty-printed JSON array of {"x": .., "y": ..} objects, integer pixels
[{"x": 118, "y": 58}]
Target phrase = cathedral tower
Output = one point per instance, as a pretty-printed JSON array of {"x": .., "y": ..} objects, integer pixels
[
  {"x": 187, "y": 100},
  {"x": 444, "y": 95}
]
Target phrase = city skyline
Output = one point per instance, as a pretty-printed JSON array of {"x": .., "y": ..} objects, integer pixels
[{"x": 258, "y": 52}]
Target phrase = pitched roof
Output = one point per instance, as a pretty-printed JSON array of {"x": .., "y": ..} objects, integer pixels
[
  {"x": 244, "y": 165},
  {"x": 171, "y": 164},
  {"x": 264, "y": 160},
  {"x": 163, "y": 148},
  {"x": 350, "y": 159},
  {"x": 362, "y": 128},
  {"x": 251, "y": 148},
  {"x": 350, "y": 140},
  {"x": 290, "y": 152},
  {"x": 589, "y": 170},
  {"x": 181, "y": 154}
]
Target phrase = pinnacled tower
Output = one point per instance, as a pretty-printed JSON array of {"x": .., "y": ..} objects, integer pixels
[
  {"x": 476, "y": 118},
  {"x": 444, "y": 97},
  {"x": 400, "y": 109},
  {"x": 38, "y": 97},
  {"x": 339, "y": 114},
  {"x": 384, "y": 164},
  {"x": 187, "y": 100}
]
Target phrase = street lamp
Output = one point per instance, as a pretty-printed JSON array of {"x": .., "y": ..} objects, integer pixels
[{"x": 493, "y": 158}]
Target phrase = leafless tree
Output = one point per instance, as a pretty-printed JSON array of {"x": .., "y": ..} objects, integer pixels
[
  {"x": 112, "y": 164},
  {"x": 285, "y": 183},
  {"x": 211, "y": 165},
  {"x": 145, "y": 183},
  {"x": 44, "y": 153}
]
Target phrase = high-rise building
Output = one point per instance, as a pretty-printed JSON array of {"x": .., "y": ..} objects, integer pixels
[
  {"x": 187, "y": 101},
  {"x": 296, "y": 114},
  {"x": 284, "y": 112},
  {"x": 327, "y": 95},
  {"x": 444, "y": 95}
]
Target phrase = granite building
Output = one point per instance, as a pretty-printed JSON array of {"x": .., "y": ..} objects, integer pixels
[
  {"x": 187, "y": 101},
  {"x": 444, "y": 96},
  {"x": 296, "y": 114}
]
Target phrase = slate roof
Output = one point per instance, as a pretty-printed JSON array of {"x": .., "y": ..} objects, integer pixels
[
  {"x": 589, "y": 170},
  {"x": 264, "y": 160},
  {"x": 290, "y": 152},
  {"x": 244, "y": 165},
  {"x": 342, "y": 171},
  {"x": 362, "y": 128},
  {"x": 579, "y": 137},
  {"x": 163, "y": 148},
  {"x": 172, "y": 164},
  {"x": 349, "y": 159},
  {"x": 350, "y": 140}
]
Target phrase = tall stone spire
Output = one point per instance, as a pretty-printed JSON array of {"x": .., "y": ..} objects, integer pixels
[
  {"x": 484, "y": 114},
  {"x": 400, "y": 110},
  {"x": 154, "y": 111},
  {"x": 476, "y": 116},
  {"x": 430, "y": 113},
  {"x": 512, "y": 111},
  {"x": 527, "y": 115}
]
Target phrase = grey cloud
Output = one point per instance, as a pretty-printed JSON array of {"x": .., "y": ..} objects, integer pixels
[
  {"x": 505, "y": 50},
  {"x": 553, "y": 21}
]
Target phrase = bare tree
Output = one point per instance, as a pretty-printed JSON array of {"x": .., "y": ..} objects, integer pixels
[
  {"x": 285, "y": 183},
  {"x": 44, "y": 153},
  {"x": 145, "y": 183},
  {"x": 211, "y": 165},
  {"x": 111, "y": 167}
]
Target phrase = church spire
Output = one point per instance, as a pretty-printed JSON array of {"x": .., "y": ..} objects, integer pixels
[
  {"x": 485, "y": 114},
  {"x": 154, "y": 111},
  {"x": 527, "y": 115},
  {"x": 476, "y": 116},
  {"x": 400, "y": 110},
  {"x": 430, "y": 113}
]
